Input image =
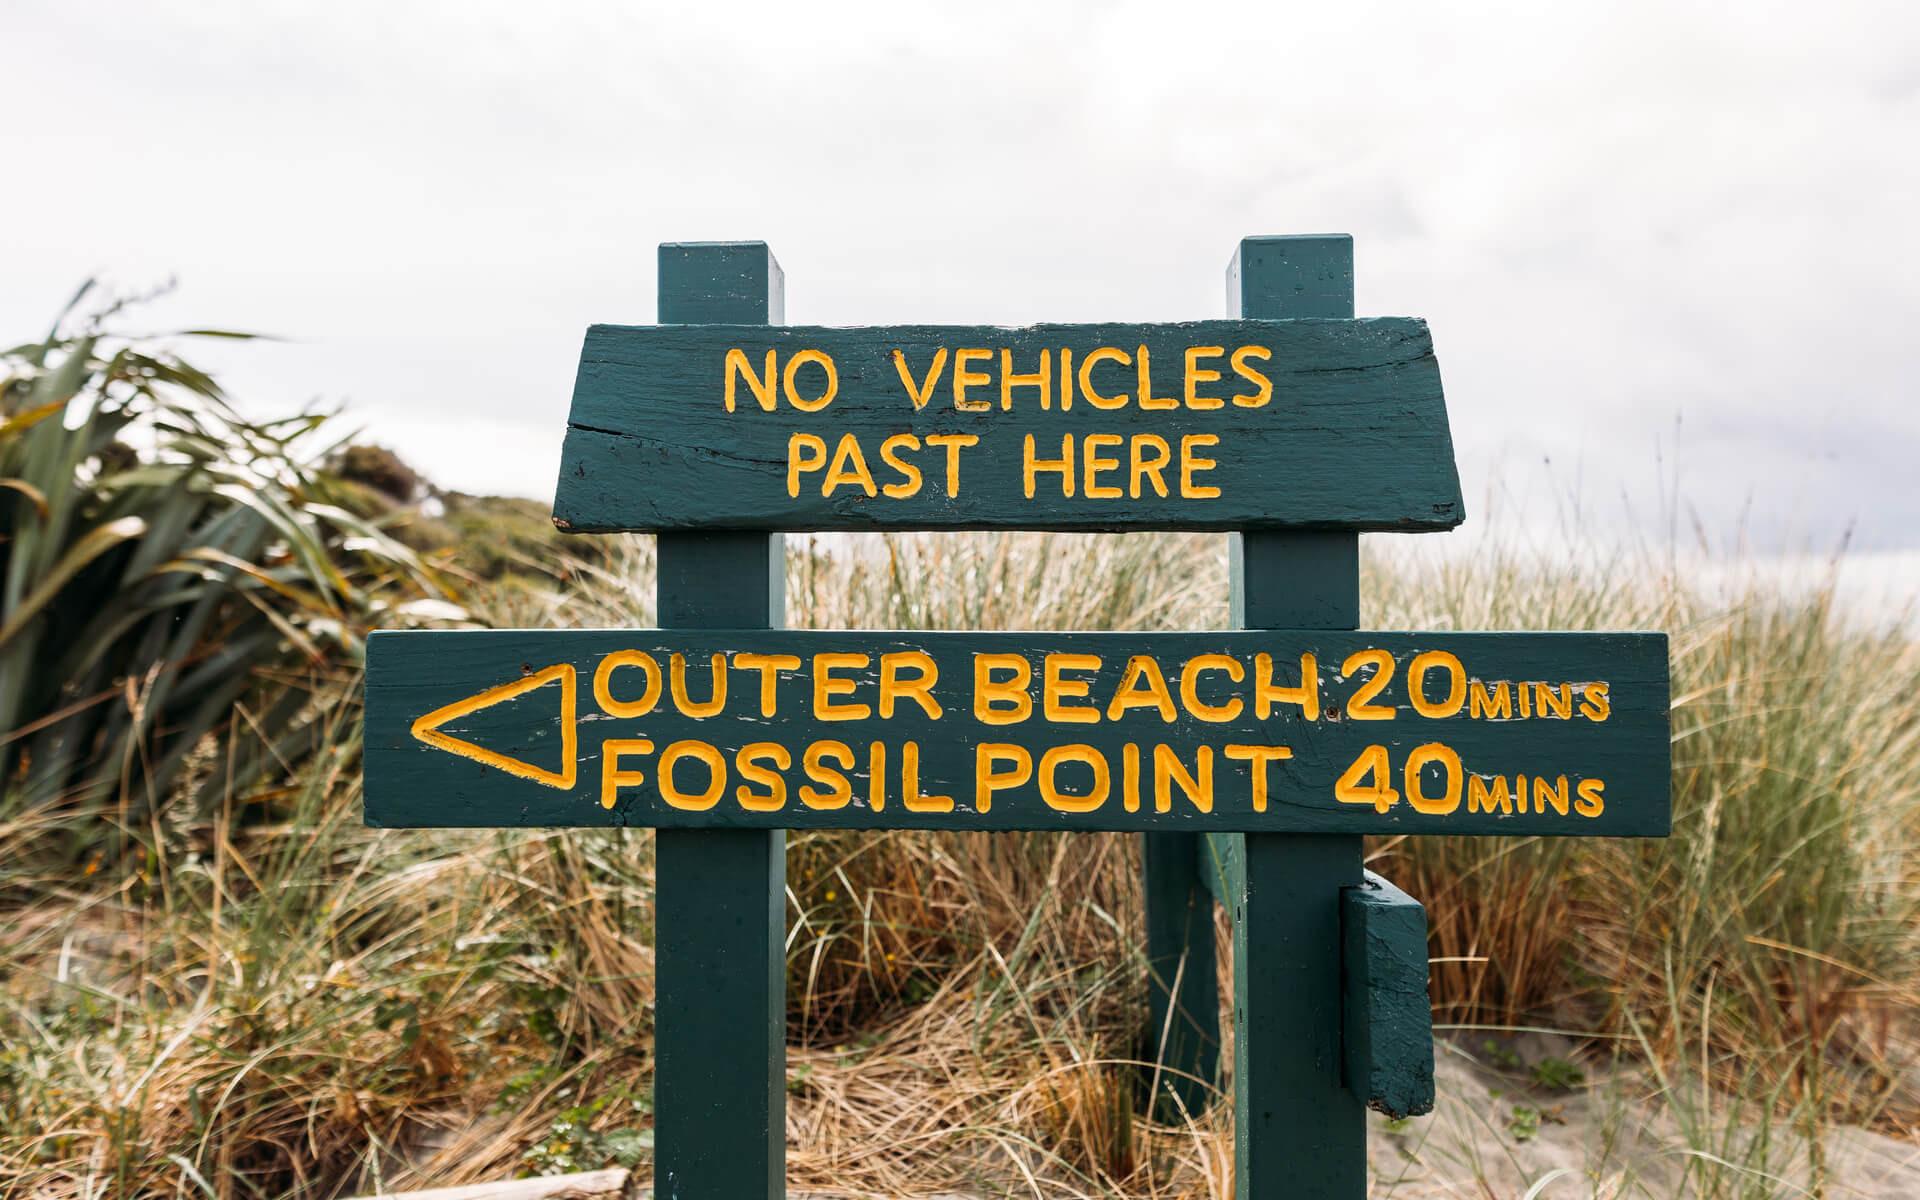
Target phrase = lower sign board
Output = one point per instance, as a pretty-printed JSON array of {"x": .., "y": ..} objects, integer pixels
[{"x": 1254, "y": 731}]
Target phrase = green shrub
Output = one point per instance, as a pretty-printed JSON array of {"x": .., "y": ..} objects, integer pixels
[
  {"x": 378, "y": 468},
  {"x": 170, "y": 574}
]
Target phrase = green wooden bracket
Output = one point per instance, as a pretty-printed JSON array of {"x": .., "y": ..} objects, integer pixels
[
  {"x": 1223, "y": 866},
  {"x": 1181, "y": 1057},
  {"x": 1388, "y": 1042}
]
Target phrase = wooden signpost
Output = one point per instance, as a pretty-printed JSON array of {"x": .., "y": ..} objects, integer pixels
[{"x": 1252, "y": 761}]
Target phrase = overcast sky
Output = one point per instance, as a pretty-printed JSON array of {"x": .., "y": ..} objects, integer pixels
[{"x": 1654, "y": 241}]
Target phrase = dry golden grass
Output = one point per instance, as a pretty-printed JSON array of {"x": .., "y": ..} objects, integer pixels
[{"x": 279, "y": 1002}]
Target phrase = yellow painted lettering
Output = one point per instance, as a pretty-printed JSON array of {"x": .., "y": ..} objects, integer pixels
[
  {"x": 953, "y": 443},
  {"x": 1065, "y": 801},
  {"x": 677, "y": 675},
  {"x": 762, "y": 387},
  {"x": 1484, "y": 797},
  {"x": 1262, "y": 386},
  {"x": 748, "y": 762},
  {"x": 603, "y": 684},
  {"x": 918, "y": 687},
  {"x": 1555, "y": 700},
  {"x": 825, "y": 363},
  {"x": 1094, "y": 464},
  {"x": 1055, "y": 691},
  {"x": 826, "y": 687},
  {"x": 1353, "y": 786},
  {"x": 1032, "y": 466},
  {"x": 1169, "y": 771},
  {"x": 1142, "y": 686},
  {"x": 1589, "y": 799},
  {"x": 805, "y": 452},
  {"x": 1190, "y": 687},
  {"x": 964, "y": 379},
  {"x": 1001, "y": 701},
  {"x": 1489, "y": 701},
  {"x": 1258, "y": 757},
  {"x": 1149, "y": 468},
  {"x": 613, "y": 776},
  {"x": 989, "y": 778},
  {"x": 1266, "y": 693},
  {"x": 1594, "y": 703},
  {"x": 1087, "y": 364},
  {"x": 923, "y": 392},
  {"x": 1362, "y": 707},
  {"x": 1197, "y": 375},
  {"x": 910, "y": 785},
  {"x": 1417, "y": 683},
  {"x": 909, "y": 484},
  {"x": 1417, "y": 761},
  {"x": 1550, "y": 794},
  {"x": 839, "y": 790},
  {"x": 769, "y": 666},
  {"x": 1192, "y": 463},
  {"x": 877, "y": 776},
  {"x": 1042, "y": 379},
  {"x": 1143, "y": 366},
  {"x": 707, "y": 756},
  {"x": 849, "y": 467}
]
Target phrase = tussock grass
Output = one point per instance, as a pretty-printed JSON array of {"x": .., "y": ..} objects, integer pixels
[{"x": 290, "y": 1004}]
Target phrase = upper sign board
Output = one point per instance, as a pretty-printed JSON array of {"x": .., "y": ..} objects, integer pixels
[{"x": 1316, "y": 424}]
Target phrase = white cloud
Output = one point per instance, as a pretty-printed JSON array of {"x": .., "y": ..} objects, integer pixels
[{"x": 1615, "y": 215}]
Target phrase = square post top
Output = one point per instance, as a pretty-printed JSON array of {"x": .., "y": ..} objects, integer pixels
[
  {"x": 721, "y": 283},
  {"x": 1308, "y": 275}
]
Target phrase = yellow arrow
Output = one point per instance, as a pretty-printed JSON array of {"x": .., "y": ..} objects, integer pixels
[{"x": 427, "y": 728}]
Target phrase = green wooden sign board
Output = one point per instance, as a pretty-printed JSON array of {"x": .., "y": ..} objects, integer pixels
[
  {"x": 1205, "y": 425},
  {"x": 1252, "y": 762},
  {"x": 1301, "y": 732}
]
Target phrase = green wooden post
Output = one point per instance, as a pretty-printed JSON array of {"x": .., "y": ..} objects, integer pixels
[
  {"x": 719, "y": 1082},
  {"x": 1298, "y": 1130}
]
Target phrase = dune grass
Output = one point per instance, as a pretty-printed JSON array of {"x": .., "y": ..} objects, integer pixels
[{"x": 266, "y": 999}]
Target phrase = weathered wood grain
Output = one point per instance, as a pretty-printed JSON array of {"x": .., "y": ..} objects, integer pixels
[
  {"x": 1354, "y": 435},
  {"x": 414, "y": 674}
]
